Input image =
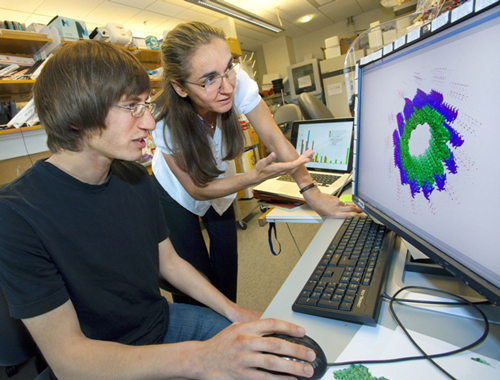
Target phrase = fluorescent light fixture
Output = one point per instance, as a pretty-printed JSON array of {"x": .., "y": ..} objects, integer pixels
[{"x": 238, "y": 13}]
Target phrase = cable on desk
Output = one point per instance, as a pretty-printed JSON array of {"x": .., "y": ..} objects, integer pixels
[
  {"x": 440, "y": 303},
  {"x": 296, "y": 245},
  {"x": 424, "y": 354}
]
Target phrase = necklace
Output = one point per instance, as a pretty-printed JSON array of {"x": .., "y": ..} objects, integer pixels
[{"x": 207, "y": 124}]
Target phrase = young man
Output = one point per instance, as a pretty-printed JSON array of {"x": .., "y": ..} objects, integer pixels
[{"x": 83, "y": 238}]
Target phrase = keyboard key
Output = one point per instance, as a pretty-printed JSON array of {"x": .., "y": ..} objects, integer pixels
[
  {"x": 346, "y": 306},
  {"x": 307, "y": 301},
  {"x": 329, "y": 304}
]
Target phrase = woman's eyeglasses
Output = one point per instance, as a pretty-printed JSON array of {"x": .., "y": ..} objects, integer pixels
[{"x": 215, "y": 83}]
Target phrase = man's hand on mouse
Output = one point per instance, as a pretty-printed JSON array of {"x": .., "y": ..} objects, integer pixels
[{"x": 239, "y": 350}]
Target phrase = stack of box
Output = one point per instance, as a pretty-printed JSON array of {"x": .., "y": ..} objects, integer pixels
[
  {"x": 375, "y": 36},
  {"x": 345, "y": 43},
  {"x": 332, "y": 47}
]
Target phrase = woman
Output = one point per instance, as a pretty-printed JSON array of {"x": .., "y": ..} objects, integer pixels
[{"x": 198, "y": 135}]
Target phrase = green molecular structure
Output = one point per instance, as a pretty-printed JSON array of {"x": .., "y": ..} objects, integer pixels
[
  {"x": 424, "y": 167},
  {"x": 427, "y": 171},
  {"x": 355, "y": 372}
]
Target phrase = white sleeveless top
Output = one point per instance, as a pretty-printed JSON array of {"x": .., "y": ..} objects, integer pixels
[{"x": 245, "y": 98}]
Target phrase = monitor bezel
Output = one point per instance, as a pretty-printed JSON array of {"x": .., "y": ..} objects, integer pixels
[
  {"x": 293, "y": 139},
  {"x": 316, "y": 74},
  {"x": 488, "y": 290}
]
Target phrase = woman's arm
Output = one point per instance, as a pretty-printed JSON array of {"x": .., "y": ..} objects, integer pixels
[
  {"x": 272, "y": 137},
  {"x": 264, "y": 169}
]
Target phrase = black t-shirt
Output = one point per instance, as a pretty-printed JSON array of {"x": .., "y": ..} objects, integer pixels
[{"x": 97, "y": 245}]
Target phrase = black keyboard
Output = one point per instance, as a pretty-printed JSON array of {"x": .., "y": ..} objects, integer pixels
[
  {"x": 349, "y": 280},
  {"x": 319, "y": 178}
]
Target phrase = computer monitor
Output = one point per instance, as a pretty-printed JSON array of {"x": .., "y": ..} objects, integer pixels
[
  {"x": 305, "y": 77},
  {"x": 426, "y": 146}
]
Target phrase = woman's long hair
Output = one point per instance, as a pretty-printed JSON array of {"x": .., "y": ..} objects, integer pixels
[{"x": 189, "y": 140}]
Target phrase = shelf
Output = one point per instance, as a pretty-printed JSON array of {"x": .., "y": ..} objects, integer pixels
[
  {"x": 146, "y": 55},
  {"x": 19, "y": 130},
  {"x": 23, "y": 43},
  {"x": 15, "y": 87}
]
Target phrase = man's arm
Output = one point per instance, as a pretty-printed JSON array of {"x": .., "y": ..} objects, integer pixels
[
  {"x": 176, "y": 270},
  {"x": 232, "y": 354}
]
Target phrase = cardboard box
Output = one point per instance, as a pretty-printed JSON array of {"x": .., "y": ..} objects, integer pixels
[
  {"x": 69, "y": 29},
  {"x": 345, "y": 43},
  {"x": 332, "y": 41},
  {"x": 234, "y": 47}
]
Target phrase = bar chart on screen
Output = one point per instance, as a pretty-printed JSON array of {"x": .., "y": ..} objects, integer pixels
[{"x": 330, "y": 147}]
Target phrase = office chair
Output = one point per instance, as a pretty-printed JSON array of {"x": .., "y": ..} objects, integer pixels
[
  {"x": 312, "y": 108},
  {"x": 16, "y": 344},
  {"x": 284, "y": 116}
]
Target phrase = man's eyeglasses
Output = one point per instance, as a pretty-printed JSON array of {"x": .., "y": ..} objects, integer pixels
[
  {"x": 138, "y": 110},
  {"x": 213, "y": 84}
]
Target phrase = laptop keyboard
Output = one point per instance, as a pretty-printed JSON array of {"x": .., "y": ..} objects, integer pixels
[
  {"x": 319, "y": 178},
  {"x": 348, "y": 281}
]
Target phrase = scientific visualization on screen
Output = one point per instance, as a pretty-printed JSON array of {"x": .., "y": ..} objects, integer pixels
[
  {"x": 429, "y": 146},
  {"x": 427, "y": 171},
  {"x": 331, "y": 143}
]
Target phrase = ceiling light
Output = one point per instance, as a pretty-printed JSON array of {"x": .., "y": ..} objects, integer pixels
[
  {"x": 238, "y": 13},
  {"x": 305, "y": 19}
]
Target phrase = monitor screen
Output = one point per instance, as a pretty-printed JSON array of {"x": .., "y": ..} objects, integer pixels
[
  {"x": 305, "y": 77},
  {"x": 331, "y": 140},
  {"x": 426, "y": 149}
]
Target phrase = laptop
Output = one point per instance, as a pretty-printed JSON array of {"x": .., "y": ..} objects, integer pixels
[{"x": 331, "y": 164}]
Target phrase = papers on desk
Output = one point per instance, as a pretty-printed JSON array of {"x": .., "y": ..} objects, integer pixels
[
  {"x": 376, "y": 343},
  {"x": 299, "y": 214}
]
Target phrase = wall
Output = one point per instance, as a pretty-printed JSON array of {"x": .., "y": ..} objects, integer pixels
[
  {"x": 278, "y": 55},
  {"x": 303, "y": 45}
]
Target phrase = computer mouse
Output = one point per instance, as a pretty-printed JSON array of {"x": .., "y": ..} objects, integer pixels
[{"x": 319, "y": 364}]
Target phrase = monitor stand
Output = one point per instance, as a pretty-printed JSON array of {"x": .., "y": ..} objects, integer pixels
[{"x": 430, "y": 277}]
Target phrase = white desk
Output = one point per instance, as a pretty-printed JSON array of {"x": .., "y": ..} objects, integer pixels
[{"x": 333, "y": 335}]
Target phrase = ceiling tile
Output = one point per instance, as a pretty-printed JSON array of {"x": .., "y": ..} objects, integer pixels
[
  {"x": 369, "y": 5},
  {"x": 141, "y": 4},
  {"x": 191, "y": 15},
  {"x": 111, "y": 12},
  {"x": 75, "y": 9},
  {"x": 170, "y": 10},
  {"x": 14, "y": 15},
  {"x": 296, "y": 9},
  {"x": 167, "y": 25},
  {"x": 341, "y": 9},
  {"x": 23, "y": 6},
  {"x": 180, "y": 3},
  {"x": 145, "y": 21}
]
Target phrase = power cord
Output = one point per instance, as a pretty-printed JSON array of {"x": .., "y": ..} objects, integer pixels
[
  {"x": 424, "y": 354},
  {"x": 296, "y": 245},
  {"x": 25, "y": 146}
]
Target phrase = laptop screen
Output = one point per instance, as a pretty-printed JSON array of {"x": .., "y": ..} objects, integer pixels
[{"x": 331, "y": 140}]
